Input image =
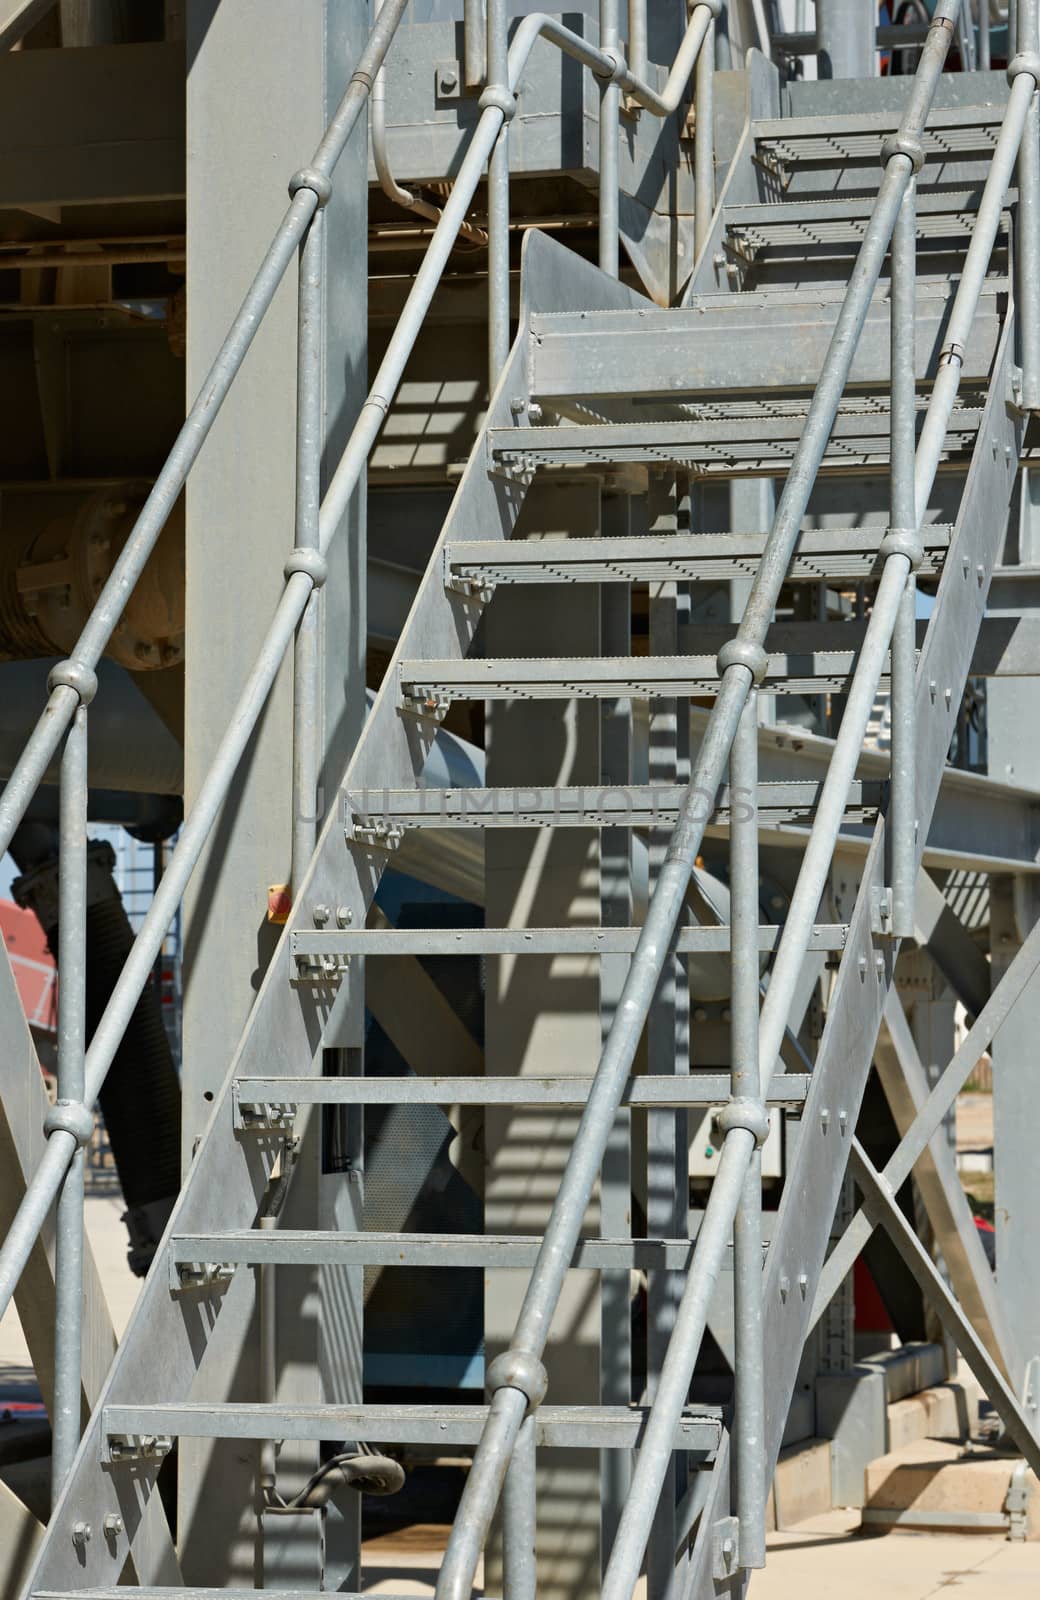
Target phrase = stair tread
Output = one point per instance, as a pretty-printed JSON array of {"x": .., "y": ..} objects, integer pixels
[{"x": 821, "y": 554}]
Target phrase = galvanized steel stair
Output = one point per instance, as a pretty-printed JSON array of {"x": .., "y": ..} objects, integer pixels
[{"x": 596, "y": 377}]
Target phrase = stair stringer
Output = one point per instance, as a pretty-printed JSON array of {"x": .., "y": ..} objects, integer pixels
[
  {"x": 867, "y": 968},
  {"x": 163, "y": 1354}
]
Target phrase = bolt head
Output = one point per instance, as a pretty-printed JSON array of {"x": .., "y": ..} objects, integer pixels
[
  {"x": 80, "y": 1534},
  {"x": 321, "y": 916},
  {"x": 344, "y": 916},
  {"x": 113, "y": 1524}
]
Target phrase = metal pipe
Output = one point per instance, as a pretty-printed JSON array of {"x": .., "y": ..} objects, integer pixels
[
  {"x": 655, "y": 1451},
  {"x": 638, "y": 58},
  {"x": 133, "y": 558},
  {"x": 1027, "y": 279},
  {"x": 381, "y": 161},
  {"x": 973, "y": 275},
  {"x": 749, "y": 1367},
  {"x": 985, "y": 55},
  {"x": 498, "y": 66},
  {"x": 268, "y": 1360},
  {"x": 902, "y": 815},
  {"x": 72, "y": 1036},
  {"x": 484, "y": 1482},
  {"x": 704, "y": 144},
  {"x": 474, "y": 44},
  {"x": 609, "y": 145},
  {"x": 520, "y": 1568},
  {"x": 307, "y": 719},
  {"x": 845, "y": 38}
]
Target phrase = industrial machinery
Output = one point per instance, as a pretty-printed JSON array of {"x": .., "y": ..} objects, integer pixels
[{"x": 589, "y": 609}]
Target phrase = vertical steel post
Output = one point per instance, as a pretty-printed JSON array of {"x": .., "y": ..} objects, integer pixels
[
  {"x": 1027, "y": 286},
  {"x": 307, "y": 718},
  {"x": 749, "y": 1367},
  {"x": 902, "y": 819},
  {"x": 846, "y": 38},
  {"x": 72, "y": 1038},
  {"x": 520, "y": 1570},
  {"x": 474, "y": 44},
  {"x": 609, "y": 148},
  {"x": 498, "y": 93},
  {"x": 704, "y": 143},
  {"x": 637, "y": 39},
  {"x": 985, "y": 55}
]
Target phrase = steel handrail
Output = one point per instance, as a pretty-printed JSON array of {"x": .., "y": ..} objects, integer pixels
[
  {"x": 516, "y": 1379},
  {"x": 73, "y": 682}
]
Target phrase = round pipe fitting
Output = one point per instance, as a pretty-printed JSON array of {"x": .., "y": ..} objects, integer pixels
[
  {"x": 312, "y": 562},
  {"x": 70, "y": 1116},
  {"x": 310, "y": 178},
  {"x": 901, "y": 144},
  {"x": 740, "y": 653},
  {"x": 73, "y": 675},
  {"x": 518, "y": 1369},
  {"x": 744, "y": 1113},
  {"x": 1024, "y": 61},
  {"x": 903, "y": 542}
]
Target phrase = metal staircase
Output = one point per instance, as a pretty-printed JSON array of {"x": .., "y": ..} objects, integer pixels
[{"x": 770, "y": 366}]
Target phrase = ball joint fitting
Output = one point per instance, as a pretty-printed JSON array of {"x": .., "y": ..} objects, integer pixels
[
  {"x": 739, "y": 653},
  {"x": 310, "y": 178},
  {"x": 1024, "y": 61},
  {"x": 70, "y": 1116},
  {"x": 518, "y": 1369},
  {"x": 500, "y": 98},
  {"x": 744, "y": 1113},
  {"x": 714, "y": 6},
  {"x": 618, "y": 65},
  {"x": 903, "y": 542},
  {"x": 312, "y": 562},
  {"x": 75, "y": 676},
  {"x": 903, "y": 144}
]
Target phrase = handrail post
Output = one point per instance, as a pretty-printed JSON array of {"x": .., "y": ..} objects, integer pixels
[
  {"x": 70, "y": 1108},
  {"x": 704, "y": 143},
  {"x": 519, "y": 1560},
  {"x": 901, "y": 832},
  {"x": 306, "y": 651},
  {"x": 498, "y": 93},
  {"x": 474, "y": 44},
  {"x": 1027, "y": 285},
  {"x": 749, "y": 1365},
  {"x": 609, "y": 145}
]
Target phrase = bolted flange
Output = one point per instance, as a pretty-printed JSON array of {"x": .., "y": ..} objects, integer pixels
[
  {"x": 518, "y": 1369},
  {"x": 73, "y": 675},
  {"x": 70, "y": 1116}
]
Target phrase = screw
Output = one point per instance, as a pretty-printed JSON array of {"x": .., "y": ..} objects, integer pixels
[
  {"x": 344, "y": 916},
  {"x": 80, "y": 1534},
  {"x": 321, "y": 916}
]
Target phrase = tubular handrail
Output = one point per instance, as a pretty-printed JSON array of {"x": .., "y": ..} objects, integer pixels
[
  {"x": 73, "y": 683},
  {"x": 516, "y": 1380}
]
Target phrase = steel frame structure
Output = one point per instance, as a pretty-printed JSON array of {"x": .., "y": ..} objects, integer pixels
[{"x": 107, "y": 1480}]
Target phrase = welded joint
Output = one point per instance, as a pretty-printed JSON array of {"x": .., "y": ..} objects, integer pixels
[
  {"x": 70, "y": 1116},
  {"x": 903, "y": 144},
  {"x": 743, "y": 1111},
  {"x": 903, "y": 542},
  {"x": 742, "y": 653},
  {"x": 498, "y": 97},
  {"x": 521, "y": 1370},
  {"x": 1024, "y": 61},
  {"x": 74, "y": 675},
  {"x": 308, "y": 561},
  {"x": 310, "y": 178}
]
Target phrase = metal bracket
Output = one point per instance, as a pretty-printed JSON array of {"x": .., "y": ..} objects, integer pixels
[
  {"x": 1017, "y": 1504},
  {"x": 374, "y": 832},
  {"x": 725, "y": 1548},
  {"x": 250, "y": 1117},
  {"x": 427, "y": 703},
  {"x": 199, "y": 1275},
  {"x": 125, "y": 1449},
  {"x": 881, "y": 912}
]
